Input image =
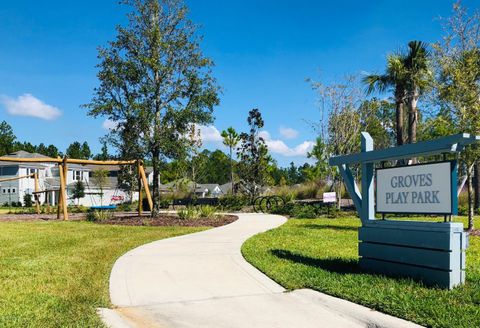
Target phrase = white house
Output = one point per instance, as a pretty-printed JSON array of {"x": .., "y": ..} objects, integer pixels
[{"x": 49, "y": 182}]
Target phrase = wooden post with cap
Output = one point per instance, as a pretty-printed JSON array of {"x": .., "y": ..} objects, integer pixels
[
  {"x": 65, "y": 177},
  {"x": 145, "y": 185},
  {"x": 60, "y": 193},
  {"x": 37, "y": 196},
  {"x": 139, "y": 179}
]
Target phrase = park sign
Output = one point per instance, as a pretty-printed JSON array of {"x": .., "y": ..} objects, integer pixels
[
  {"x": 433, "y": 252},
  {"x": 417, "y": 189}
]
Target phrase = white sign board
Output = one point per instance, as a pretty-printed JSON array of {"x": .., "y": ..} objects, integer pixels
[
  {"x": 329, "y": 197},
  {"x": 425, "y": 188}
]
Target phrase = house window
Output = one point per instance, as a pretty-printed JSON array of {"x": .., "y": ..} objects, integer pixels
[
  {"x": 31, "y": 171},
  {"x": 4, "y": 191},
  {"x": 13, "y": 191},
  {"x": 78, "y": 175}
]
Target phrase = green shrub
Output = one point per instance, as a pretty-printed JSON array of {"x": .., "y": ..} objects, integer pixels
[
  {"x": 286, "y": 192},
  {"x": 125, "y": 207},
  {"x": 188, "y": 213},
  {"x": 462, "y": 209},
  {"x": 233, "y": 203},
  {"x": 207, "y": 211},
  {"x": 307, "y": 191},
  {"x": 98, "y": 216},
  {"x": 165, "y": 203},
  {"x": 306, "y": 211},
  {"x": 16, "y": 204},
  {"x": 27, "y": 200}
]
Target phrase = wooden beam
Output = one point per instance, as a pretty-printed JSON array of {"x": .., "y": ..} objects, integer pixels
[
  {"x": 93, "y": 162},
  {"x": 69, "y": 160},
  {"x": 44, "y": 191},
  {"x": 17, "y": 178},
  {"x": 147, "y": 189},
  {"x": 59, "y": 204},
  {"x": 31, "y": 160}
]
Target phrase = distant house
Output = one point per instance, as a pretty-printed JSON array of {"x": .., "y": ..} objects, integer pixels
[
  {"x": 15, "y": 190},
  {"x": 202, "y": 190},
  {"x": 49, "y": 182},
  {"x": 208, "y": 190}
]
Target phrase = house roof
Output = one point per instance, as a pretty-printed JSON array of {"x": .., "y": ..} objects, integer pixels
[
  {"x": 210, "y": 186},
  {"x": 226, "y": 188},
  {"x": 24, "y": 154}
]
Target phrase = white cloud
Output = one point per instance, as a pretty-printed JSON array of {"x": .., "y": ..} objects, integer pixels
[
  {"x": 288, "y": 133},
  {"x": 209, "y": 133},
  {"x": 109, "y": 124},
  {"x": 277, "y": 146},
  {"x": 28, "y": 105}
]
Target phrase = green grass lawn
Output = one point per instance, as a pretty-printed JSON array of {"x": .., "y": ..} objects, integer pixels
[
  {"x": 55, "y": 274},
  {"x": 322, "y": 254}
]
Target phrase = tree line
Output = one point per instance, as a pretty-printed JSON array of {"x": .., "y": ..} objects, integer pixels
[{"x": 9, "y": 144}]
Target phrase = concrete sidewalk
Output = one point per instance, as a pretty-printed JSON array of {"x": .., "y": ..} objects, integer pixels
[{"x": 202, "y": 280}]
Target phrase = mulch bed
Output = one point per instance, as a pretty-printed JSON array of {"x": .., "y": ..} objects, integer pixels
[
  {"x": 129, "y": 219},
  {"x": 38, "y": 217},
  {"x": 170, "y": 220},
  {"x": 475, "y": 232}
]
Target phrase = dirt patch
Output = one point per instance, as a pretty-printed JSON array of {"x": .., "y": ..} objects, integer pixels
[{"x": 170, "y": 220}]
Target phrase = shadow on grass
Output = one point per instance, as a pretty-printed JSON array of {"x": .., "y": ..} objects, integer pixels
[
  {"x": 329, "y": 226},
  {"x": 337, "y": 265}
]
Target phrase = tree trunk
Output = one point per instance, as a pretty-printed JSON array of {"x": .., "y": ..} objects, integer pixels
[
  {"x": 156, "y": 179},
  {"x": 470, "y": 199},
  {"x": 339, "y": 194},
  {"x": 476, "y": 185},
  {"x": 194, "y": 180},
  {"x": 399, "y": 121},
  {"x": 412, "y": 119},
  {"x": 231, "y": 172},
  {"x": 412, "y": 122}
]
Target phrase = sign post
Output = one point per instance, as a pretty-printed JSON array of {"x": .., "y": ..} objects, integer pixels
[{"x": 433, "y": 252}]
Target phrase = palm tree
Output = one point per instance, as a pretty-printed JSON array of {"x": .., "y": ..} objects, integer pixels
[
  {"x": 231, "y": 139},
  {"x": 394, "y": 79},
  {"x": 418, "y": 77}
]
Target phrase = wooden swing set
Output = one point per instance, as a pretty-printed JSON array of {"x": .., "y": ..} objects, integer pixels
[{"x": 62, "y": 163}]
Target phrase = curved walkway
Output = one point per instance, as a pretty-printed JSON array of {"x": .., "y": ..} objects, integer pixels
[{"x": 202, "y": 280}]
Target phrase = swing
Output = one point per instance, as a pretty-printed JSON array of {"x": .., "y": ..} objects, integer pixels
[{"x": 92, "y": 200}]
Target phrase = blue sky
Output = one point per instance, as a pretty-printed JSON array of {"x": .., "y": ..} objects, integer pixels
[{"x": 263, "y": 51}]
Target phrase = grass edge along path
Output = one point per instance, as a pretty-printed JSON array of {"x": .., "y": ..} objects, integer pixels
[
  {"x": 56, "y": 274},
  {"x": 321, "y": 254}
]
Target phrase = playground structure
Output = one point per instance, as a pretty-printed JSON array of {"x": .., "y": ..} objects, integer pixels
[{"x": 62, "y": 163}]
